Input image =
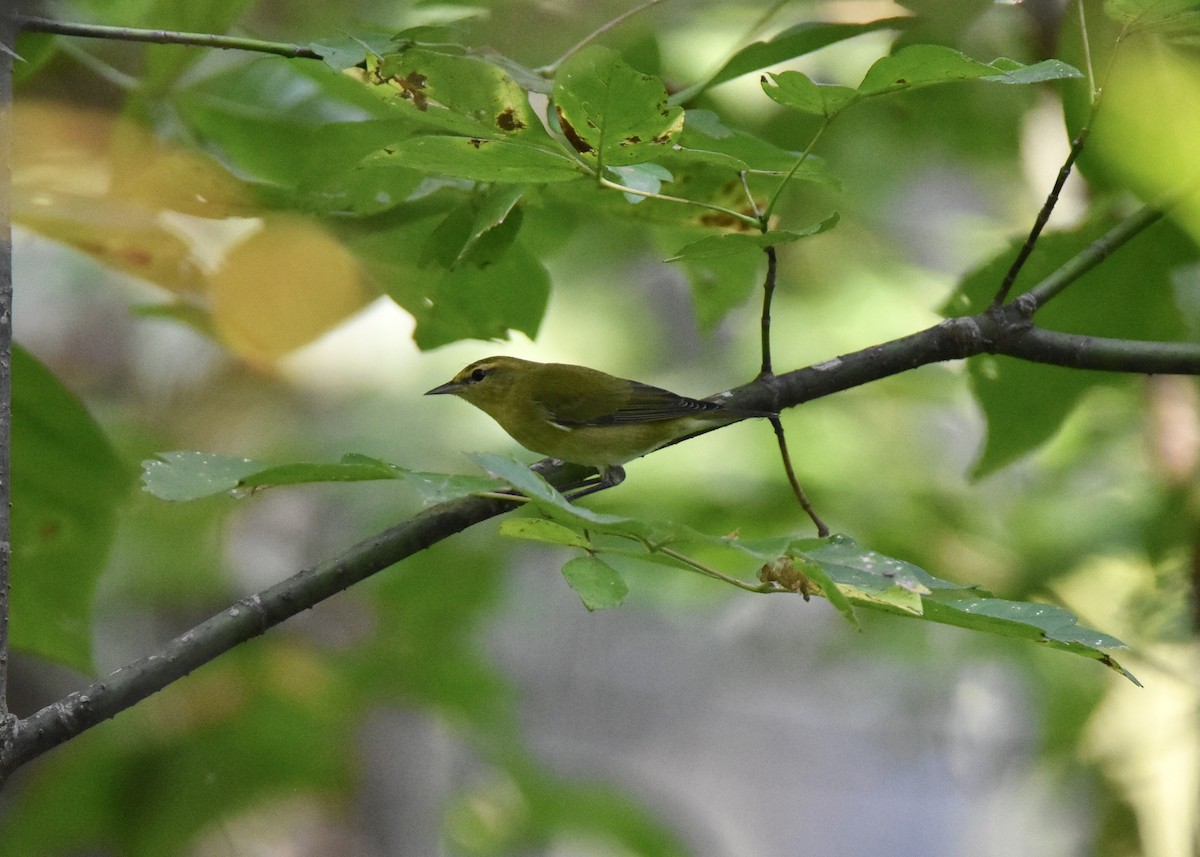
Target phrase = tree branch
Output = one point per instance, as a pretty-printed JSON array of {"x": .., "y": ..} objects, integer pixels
[
  {"x": 7, "y": 34},
  {"x": 1000, "y": 331},
  {"x": 1042, "y": 218},
  {"x": 1109, "y": 355},
  {"x": 1095, "y": 253},
  {"x": 164, "y": 37},
  {"x": 248, "y": 618}
]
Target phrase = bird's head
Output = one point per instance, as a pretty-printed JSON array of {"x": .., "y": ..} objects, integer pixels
[{"x": 487, "y": 383}]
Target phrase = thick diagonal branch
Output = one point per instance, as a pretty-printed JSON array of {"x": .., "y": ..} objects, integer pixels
[{"x": 1003, "y": 331}]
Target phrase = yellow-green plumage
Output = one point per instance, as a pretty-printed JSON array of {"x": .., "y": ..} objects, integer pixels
[{"x": 581, "y": 415}]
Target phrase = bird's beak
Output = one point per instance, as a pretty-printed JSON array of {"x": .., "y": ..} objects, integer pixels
[{"x": 448, "y": 387}]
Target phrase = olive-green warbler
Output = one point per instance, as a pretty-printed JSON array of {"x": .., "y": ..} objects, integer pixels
[{"x": 582, "y": 416}]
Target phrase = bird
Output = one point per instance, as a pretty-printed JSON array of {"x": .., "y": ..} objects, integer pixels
[{"x": 584, "y": 416}]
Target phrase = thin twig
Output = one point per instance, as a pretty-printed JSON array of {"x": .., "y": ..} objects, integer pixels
[
  {"x": 766, "y": 370},
  {"x": 766, "y": 373},
  {"x": 1091, "y": 256},
  {"x": 549, "y": 70},
  {"x": 1095, "y": 95},
  {"x": 766, "y": 215},
  {"x": 1087, "y": 51},
  {"x": 164, "y": 37},
  {"x": 686, "y": 94},
  {"x": 805, "y": 504},
  {"x": 1043, "y": 218}
]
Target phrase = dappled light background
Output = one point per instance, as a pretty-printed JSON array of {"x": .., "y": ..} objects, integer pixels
[{"x": 465, "y": 701}]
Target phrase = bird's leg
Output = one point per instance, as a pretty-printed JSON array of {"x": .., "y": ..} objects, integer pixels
[{"x": 609, "y": 478}]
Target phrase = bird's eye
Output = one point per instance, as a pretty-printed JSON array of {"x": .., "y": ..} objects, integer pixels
[{"x": 478, "y": 375}]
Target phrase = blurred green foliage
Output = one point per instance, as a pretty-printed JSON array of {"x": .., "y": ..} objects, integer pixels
[{"x": 1038, "y": 483}]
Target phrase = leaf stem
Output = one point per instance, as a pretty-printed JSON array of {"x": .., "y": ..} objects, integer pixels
[
  {"x": 611, "y": 185},
  {"x": 1087, "y": 51},
  {"x": 766, "y": 215},
  {"x": 750, "y": 201},
  {"x": 708, "y": 571}
]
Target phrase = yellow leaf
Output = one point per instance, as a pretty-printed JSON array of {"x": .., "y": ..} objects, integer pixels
[{"x": 282, "y": 287}]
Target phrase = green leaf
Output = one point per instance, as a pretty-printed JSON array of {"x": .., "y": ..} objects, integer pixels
[
  {"x": 542, "y": 530},
  {"x": 1043, "y": 623},
  {"x": 519, "y": 476},
  {"x": 722, "y": 282},
  {"x": 1024, "y": 403},
  {"x": 351, "y": 468},
  {"x": 184, "y": 476},
  {"x": 544, "y": 495},
  {"x": 460, "y": 94},
  {"x": 66, "y": 485},
  {"x": 867, "y": 577},
  {"x": 706, "y": 140},
  {"x": 610, "y": 113},
  {"x": 1040, "y": 72},
  {"x": 871, "y": 579},
  {"x": 302, "y": 127},
  {"x": 470, "y": 302},
  {"x": 345, "y": 50},
  {"x": 441, "y": 487},
  {"x": 845, "y": 572},
  {"x": 796, "y": 90},
  {"x": 921, "y": 65},
  {"x": 913, "y": 67},
  {"x": 1172, "y": 17},
  {"x": 597, "y": 583},
  {"x": 481, "y": 159},
  {"x": 741, "y": 242},
  {"x": 647, "y": 178},
  {"x": 478, "y": 231},
  {"x": 790, "y": 43}
]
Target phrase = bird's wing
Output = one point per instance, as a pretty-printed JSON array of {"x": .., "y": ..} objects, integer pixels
[{"x": 638, "y": 403}]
